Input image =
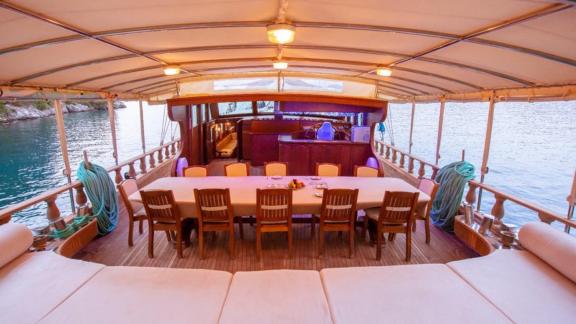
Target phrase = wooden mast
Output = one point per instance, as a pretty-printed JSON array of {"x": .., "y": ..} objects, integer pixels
[
  {"x": 142, "y": 137},
  {"x": 112, "y": 119},
  {"x": 440, "y": 126},
  {"x": 410, "y": 143}
]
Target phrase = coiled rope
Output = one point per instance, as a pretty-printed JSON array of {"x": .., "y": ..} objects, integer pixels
[
  {"x": 102, "y": 194},
  {"x": 452, "y": 179}
]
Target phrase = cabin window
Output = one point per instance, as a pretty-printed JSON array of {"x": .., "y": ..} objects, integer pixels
[
  {"x": 234, "y": 108},
  {"x": 265, "y": 107}
]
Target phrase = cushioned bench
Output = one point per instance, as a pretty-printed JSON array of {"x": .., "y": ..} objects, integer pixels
[
  {"x": 524, "y": 286},
  {"x": 276, "y": 296},
  {"x": 146, "y": 295},
  {"x": 33, "y": 284},
  {"x": 405, "y": 294},
  {"x": 226, "y": 147}
]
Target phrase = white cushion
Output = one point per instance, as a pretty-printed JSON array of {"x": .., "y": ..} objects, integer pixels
[
  {"x": 146, "y": 295},
  {"x": 35, "y": 283},
  {"x": 555, "y": 247},
  {"x": 276, "y": 296},
  {"x": 522, "y": 286},
  {"x": 429, "y": 293},
  {"x": 15, "y": 239}
]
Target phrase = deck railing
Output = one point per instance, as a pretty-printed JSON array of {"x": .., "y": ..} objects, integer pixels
[
  {"x": 146, "y": 161},
  {"x": 406, "y": 163}
]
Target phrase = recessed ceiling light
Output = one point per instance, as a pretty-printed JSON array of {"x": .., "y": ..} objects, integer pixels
[
  {"x": 280, "y": 65},
  {"x": 280, "y": 33},
  {"x": 384, "y": 72},
  {"x": 171, "y": 70}
]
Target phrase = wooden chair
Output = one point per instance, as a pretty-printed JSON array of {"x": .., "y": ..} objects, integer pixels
[
  {"x": 237, "y": 169},
  {"x": 215, "y": 214},
  {"x": 364, "y": 171},
  {"x": 338, "y": 214},
  {"x": 395, "y": 216},
  {"x": 163, "y": 215},
  {"x": 136, "y": 211},
  {"x": 275, "y": 169},
  {"x": 328, "y": 170},
  {"x": 273, "y": 214},
  {"x": 429, "y": 187},
  {"x": 196, "y": 171}
]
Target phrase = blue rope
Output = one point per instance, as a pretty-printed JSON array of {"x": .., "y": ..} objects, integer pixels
[
  {"x": 102, "y": 194},
  {"x": 452, "y": 179}
]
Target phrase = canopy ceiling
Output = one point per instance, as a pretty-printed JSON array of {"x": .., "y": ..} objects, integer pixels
[{"x": 434, "y": 48}]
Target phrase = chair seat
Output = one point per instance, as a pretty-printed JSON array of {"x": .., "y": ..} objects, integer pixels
[
  {"x": 373, "y": 213},
  {"x": 140, "y": 212},
  {"x": 280, "y": 222}
]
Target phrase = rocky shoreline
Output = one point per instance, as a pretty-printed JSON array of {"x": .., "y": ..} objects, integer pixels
[{"x": 14, "y": 111}]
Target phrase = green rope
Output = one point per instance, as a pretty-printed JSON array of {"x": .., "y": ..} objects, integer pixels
[
  {"x": 452, "y": 179},
  {"x": 102, "y": 194},
  {"x": 77, "y": 223}
]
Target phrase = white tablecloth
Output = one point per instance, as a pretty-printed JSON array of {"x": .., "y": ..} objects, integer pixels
[{"x": 243, "y": 191}]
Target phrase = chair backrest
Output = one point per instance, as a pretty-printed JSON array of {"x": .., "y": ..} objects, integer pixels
[
  {"x": 327, "y": 170},
  {"x": 429, "y": 187},
  {"x": 339, "y": 205},
  {"x": 398, "y": 207},
  {"x": 126, "y": 188},
  {"x": 276, "y": 169},
  {"x": 196, "y": 171},
  {"x": 160, "y": 206},
  {"x": 237, "y": 169},
  {"x": 364, "y": 171},
  {"x": 213, "y": 205},
  {"x": 273, "y": 205}
]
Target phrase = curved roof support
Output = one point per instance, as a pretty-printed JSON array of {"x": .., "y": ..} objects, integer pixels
[{"x": 235, "y": 47}]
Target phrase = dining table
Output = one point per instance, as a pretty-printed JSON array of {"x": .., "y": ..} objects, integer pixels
[{"x": 307, "y": 200}]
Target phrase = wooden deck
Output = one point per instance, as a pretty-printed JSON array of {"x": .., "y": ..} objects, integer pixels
[{"x": 113, "y": 250}]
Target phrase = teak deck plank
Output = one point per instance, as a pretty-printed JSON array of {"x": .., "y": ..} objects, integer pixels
[{"x": 113, "y": 249}]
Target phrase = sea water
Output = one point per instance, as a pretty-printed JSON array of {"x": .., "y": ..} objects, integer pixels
[{"x": 532, "y": 156}]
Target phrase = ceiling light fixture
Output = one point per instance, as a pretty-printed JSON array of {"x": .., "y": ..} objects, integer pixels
[
  {"x": 384, "y": 72},
  {"x": 281, "y": 33},
  {"x": 171, "y": 70},
  {"x": 280, "y": 65}
]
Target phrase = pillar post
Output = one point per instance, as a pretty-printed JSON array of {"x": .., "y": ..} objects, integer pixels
[
  {"x": 59, "y": 114},
  {"x": 411, "y": 127},
  {"x": 142, "y": 137},
  {"x": 112, "y": 118},
  {"x": 487, "y": 141},
  {"x": 440, "y": 126}
]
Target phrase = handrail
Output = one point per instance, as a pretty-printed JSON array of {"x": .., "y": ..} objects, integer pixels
[
  {"x": 390, "y": 154},
  {"x": 166, "y": 151}
]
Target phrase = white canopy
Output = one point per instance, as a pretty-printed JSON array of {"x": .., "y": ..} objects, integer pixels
[{"x": 459, "y": 49}]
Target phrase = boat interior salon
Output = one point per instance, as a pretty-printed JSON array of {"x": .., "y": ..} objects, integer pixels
[{"x": 277, "y": 193}]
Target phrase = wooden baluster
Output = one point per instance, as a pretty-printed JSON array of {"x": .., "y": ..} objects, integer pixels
[
  {"x": 5, "y": 219},
  {"x": 421, "y": 170},
  {"x": 143, "y": 165},
  {"x": 160, "y": 157},
  {"x": 434, "y": 172},
  {"x": 411, "y": 165},
  {"x": 173, "y": 149},
  {"x": 394, "y": 156},
  {"x": 402, "y": 160},
  {"x": 498, "y": 208},
  {"x": 152, "y": 162},
  {"x": 387, "y": 152},
  {"x": 131, "y": 170},
  {"x": 471, "y": 195},
  {"x": 545, "y": 217},
  {"x": 118, "y": 177},
  {"x": 53, "y": 214},
  {"x": 81, "y": 201},
  {"x": 167, "y": 151},
  {"x": 381, "y": 148}
]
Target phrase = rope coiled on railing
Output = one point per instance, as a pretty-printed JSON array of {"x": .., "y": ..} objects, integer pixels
[
  {"x": 101, "y": 191},
  {"x": 452, "y": 179}
]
